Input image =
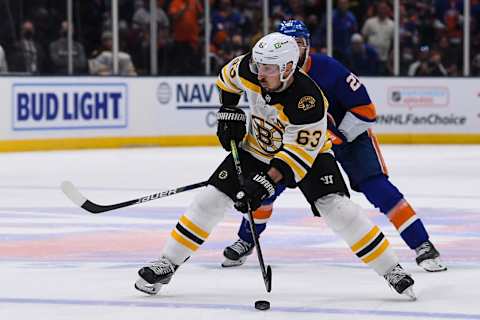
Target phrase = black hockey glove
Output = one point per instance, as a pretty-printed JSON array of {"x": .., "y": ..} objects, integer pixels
[
  {"x": 231, "y": 125},
  {"x": 256, "y": 189}
]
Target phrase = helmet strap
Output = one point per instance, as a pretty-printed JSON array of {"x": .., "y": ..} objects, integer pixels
[{"x": 284, "y": 81}]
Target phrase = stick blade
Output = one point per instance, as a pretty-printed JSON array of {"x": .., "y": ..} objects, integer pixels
[
  {"x": 72, "y": 193},
  {"x": 268, "y": 280}
]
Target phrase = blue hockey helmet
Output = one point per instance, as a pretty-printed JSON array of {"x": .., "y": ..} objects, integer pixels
[
  {"x": 298, "y": 30},
  {"x": 294, "y": 28}
]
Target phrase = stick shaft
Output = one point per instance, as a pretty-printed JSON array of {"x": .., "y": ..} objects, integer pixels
[
  {"x": 76, "y": 197},
  {"x": 266, "y": 271}
]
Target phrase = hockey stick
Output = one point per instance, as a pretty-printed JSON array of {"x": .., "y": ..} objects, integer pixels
[
  {"x": 73, "y": 194},
  {"x": 266, "y": 272}
]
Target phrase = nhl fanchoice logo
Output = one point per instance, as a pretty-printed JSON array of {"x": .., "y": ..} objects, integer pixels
[{"x": 306, "y": 103}]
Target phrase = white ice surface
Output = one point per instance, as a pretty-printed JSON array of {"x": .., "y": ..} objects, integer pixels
[{"x": 60, "y": 262}]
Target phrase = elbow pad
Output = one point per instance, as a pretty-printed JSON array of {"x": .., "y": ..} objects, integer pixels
[{"x": 351, "y": 126}]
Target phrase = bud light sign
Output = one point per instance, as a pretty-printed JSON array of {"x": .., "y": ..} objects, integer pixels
[{"x": 50, "y": 106}]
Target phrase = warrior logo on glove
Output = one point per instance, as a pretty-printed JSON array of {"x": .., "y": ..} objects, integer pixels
[
  {"x": 256, "y": 189},
  {"x": 231, "y": 125}
]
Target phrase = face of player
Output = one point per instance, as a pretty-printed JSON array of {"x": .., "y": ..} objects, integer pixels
[
  {"x": 269, "y": 76},
  {"x": 302, "y": 46}
]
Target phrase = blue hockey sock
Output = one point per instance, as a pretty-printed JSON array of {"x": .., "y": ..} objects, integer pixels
[
  {"x": 244, "y": 231},
  {"x": 388, "y": 199}
]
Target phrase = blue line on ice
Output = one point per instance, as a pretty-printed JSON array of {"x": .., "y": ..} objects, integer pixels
[{"x": 312, "y": 310}]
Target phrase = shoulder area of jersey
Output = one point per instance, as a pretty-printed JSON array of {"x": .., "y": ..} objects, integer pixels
[
  {"x": 306, "y": 91},
  {"x": 321, "y": 59}
]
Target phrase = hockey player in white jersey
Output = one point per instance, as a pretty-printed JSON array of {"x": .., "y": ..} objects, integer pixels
[
  {"x": 351, "y": 114},
  {"x": 285, "y": 142}
]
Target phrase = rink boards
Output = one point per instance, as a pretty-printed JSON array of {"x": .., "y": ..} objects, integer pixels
[{"x": 87, "y": 112}]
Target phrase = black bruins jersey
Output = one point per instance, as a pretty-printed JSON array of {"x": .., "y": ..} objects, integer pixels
[{"x": 287, "y": 128}]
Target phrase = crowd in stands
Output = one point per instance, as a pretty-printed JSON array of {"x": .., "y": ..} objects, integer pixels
[{"x": 33, "y": 35}]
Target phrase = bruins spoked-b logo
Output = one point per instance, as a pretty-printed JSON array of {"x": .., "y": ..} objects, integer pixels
[
  {"x": 269, "y": 136},
  {"x": 306, "y": 103}
]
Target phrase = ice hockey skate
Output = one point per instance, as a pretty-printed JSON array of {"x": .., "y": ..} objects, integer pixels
[
  {"x": 429, "y": 258},
  {"x": 401, "y": 281},
  {"x": 237, "y": 253},
  {"x": 155, "y": 275}
]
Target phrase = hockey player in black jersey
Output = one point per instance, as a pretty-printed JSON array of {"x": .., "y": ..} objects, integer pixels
[{"x": 285, "y": 143}]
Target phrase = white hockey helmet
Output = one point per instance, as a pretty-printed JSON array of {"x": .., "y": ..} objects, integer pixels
[{"x": 277, "y": 49}]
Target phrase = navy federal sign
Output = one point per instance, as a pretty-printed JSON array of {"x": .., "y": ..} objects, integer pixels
[{"x": 53, "y": 106}]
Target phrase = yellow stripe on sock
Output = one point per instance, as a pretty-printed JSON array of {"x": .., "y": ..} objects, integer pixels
[
  {"x": 193, "y": 227},
  {"x": 183, "y": 241},
  {"x": 366, "y": 239},
  {"x": 377, "y": 252}
]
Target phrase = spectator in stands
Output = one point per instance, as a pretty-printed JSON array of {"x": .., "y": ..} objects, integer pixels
[
  {"x": 102, "y": 64},
  {"x": 421, "y": 62},
  {"x": 138, "y": 38},
  {"x": 225, "y": 19},
  {"x": 296, "y": 9},
  {"x": 3, "y": 61},
  {"x": 230, "y": 48},
  {"x": 317, "y": 29},
  {"x": 163, "y": 38},
  {"x": 91, "y": 21},
  {"x": 140, "y": 52},
  {"x": 46, "y": 24},
  {"x": 362, "y": 58},
  {"x": 428, "y": 64},
  {"x": 426, "y": 24},
  {"x": 407, "y": 57},
  {"x": 344, "y": 26},
  {"x": 141, "y": 15},
  {"x": 27, "y": 55},
  {"x": 162, "y": 17},
  {"x": 378, "y": 32},
  {"x": 437, "y": 69},
  {"x": 475, "y": 49},
  {"x": 452, "y": 19},
  {"x": 451, "y": 55},
  {"x": 59, "y": 53},
  {"x": 227, "y": 23},
  {"x": 8, "y": 28},
  {"x": 138, "y": 44},
  {"x": 186, "y": 55}
]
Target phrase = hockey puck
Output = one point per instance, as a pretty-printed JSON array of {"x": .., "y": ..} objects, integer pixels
[{"x": 262, "y": 305}]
